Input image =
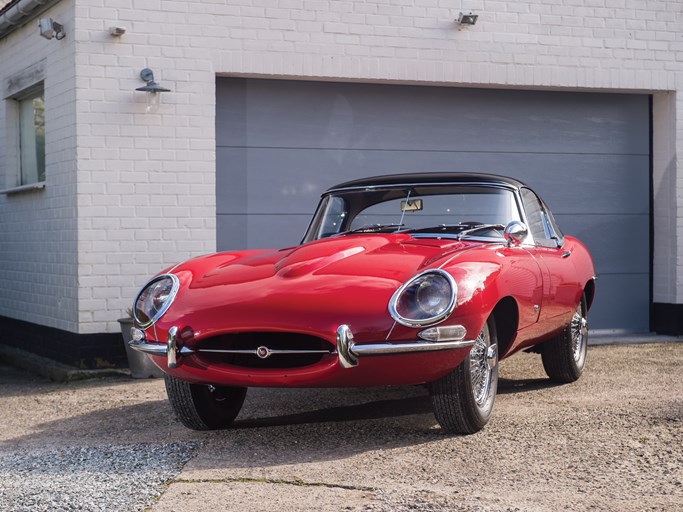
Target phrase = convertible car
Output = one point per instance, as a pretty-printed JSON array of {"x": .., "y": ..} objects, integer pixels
[{"x": 405, "y": 279}]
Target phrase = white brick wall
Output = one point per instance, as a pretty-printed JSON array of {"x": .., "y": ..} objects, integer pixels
[
  {"x": 667, "y": 198},
  {"x": 146, "y": 182},
  {"x": 145, "y": 190},
  {"x": 38, "y": 259}
]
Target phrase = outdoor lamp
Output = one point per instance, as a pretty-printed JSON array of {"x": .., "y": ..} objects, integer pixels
[
  {"x": 467, "y": 18},
  {"x": 152, "y": 89},
  {"x": 50, "y": 29}
]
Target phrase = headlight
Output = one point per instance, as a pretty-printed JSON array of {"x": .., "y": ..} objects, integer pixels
[
  {"x": 154, "y": 299},
  {"x": 426, "y": 299}
]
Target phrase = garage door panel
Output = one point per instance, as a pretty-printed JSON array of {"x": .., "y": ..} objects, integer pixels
[
  {"x": 598, "y": 184},
  {"x": 231, "y": 112},
  {"x": 621, "y": 303},
  {"x": 293, "y": 179},
  {"x": 236, "y": 232},
  {"x": 232, "y": 175},
  {"x": 605, "y": 237},
  {"x": 231, "y": 232},
  {"x": 282, "y": 143},
  {"x": 360, "y": 116}
]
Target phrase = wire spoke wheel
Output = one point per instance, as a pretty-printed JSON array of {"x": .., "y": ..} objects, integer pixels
[
  {"x": 564, "y": 357},
  {"x": 480, "y": 369},
  {"x": 463, "y": 399},
  {"x": 579, "y": 333}
]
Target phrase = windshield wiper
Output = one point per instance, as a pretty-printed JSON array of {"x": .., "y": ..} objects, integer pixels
[
  {"x": 466, "y": 228},
  {"x": 462, "y": 226},
  {"x": 481, "y": 227},
  {"x": 438, "y": 227},
  {"x": 372, "y": 228}
]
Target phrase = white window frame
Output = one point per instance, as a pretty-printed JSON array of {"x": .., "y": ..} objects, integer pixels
[
  {"x": 19, "y": 177},
  {"x": 31, "y": 141}
]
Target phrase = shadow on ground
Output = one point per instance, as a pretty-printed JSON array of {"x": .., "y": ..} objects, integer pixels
[{"x": 322, "y": 424}]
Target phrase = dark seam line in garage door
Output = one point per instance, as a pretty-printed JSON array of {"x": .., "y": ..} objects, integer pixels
[
  {"x": 308, "y": 214},
  {"x": 558, "y": 213},
  {"x": 297, "y": 148}
]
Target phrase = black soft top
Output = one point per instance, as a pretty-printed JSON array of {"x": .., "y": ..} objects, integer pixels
[{"x": 426, "y": 178}]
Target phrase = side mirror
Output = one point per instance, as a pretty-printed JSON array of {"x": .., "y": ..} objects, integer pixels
[{"x": 515, "y": 233}]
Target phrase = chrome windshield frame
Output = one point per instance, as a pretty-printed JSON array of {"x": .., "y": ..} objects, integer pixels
[{"x": 309, "y": 237}]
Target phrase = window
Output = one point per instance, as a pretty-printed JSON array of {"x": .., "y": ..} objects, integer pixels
[
  {"x": 538, "y": 220},
  {"x": 31, "y": 136}
]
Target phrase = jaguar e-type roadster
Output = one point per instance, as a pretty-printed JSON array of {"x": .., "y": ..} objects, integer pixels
[{"x": 399, "y": 280}]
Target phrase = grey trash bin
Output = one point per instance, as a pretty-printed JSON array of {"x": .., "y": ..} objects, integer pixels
[{"x": 141, "y": 367}]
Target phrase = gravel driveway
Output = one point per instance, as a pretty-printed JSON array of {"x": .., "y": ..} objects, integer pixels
[{"x": 611, "y": 441}]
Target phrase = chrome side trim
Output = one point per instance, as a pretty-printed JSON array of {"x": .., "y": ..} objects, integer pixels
[{"x": 349, "y": 352}]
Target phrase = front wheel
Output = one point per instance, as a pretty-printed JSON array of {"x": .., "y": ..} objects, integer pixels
[
  {"x": 564, "y": 357},
  {"x": 204, "y": 407},
  {"x": 463, "y": 399}
]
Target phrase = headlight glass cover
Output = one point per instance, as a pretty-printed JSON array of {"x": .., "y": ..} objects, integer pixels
[
  {"x": 154, "y": 299},
  {"x": 426, "y": 299}
]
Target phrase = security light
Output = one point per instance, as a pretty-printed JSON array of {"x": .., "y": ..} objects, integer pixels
[
  {"x": 50, "y": 29},
  {"x": 467, "y": 18}
]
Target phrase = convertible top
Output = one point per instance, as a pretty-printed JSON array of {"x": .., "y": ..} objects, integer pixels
[{"x": 427, "y": 178}]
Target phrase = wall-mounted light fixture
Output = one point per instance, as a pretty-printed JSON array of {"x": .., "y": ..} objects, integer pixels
[
  {"x": 49, "y": 29},
  {"x": 468, "y": 18},
  {"x": 117, "y": 31},
  {"x": 152, "y": 89}
]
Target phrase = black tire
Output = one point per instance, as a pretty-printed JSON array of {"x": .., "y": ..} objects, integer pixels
[
  {"x": 202, "y": 407},
  {"x": 461, "y": 400},
  {"x": 564, "y": 357}
]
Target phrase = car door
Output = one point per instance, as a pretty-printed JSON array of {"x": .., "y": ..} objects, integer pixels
[{"x": 560, "y": 283}]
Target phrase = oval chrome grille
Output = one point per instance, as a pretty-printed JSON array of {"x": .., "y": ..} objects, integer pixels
[{"x": 265, "y": 349}]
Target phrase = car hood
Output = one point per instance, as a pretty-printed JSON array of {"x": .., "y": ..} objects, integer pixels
[{"x": 311, "y": 288}]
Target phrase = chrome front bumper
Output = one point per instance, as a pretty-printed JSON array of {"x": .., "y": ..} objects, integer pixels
[{"x": 347, "y": 351}]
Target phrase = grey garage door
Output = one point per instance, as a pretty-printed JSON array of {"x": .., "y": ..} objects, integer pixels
[{"x": 281, "y": 143}]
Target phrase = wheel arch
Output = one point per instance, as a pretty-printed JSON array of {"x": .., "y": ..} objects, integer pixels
[
  {"x": 506, "y": 318},
  {"x": 589, "y": 292}
]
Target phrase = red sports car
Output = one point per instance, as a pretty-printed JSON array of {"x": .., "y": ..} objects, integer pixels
[{"x": 399, "y": 280}]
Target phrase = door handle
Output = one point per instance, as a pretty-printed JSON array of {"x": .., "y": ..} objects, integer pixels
[{"x": 566, "y": 254}]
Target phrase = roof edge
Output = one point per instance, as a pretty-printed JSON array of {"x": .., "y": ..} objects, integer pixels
[{"x": 19, "y": 12}]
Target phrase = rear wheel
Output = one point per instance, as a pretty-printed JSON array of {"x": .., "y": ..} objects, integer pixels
[
  {"x": 204, "y": 407},
  {"x": 463, "y": 399},
  {"x": 564, "y": 357}
]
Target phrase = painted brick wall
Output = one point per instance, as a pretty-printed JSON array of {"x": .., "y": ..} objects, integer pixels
[
  {"x": 146, "y": 181},
  {"x": 38, "y": 258},
  {"x": 145, "y": 190}
]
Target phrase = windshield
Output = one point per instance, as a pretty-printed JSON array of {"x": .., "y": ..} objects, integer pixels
[{"x": 422, "y": 210}]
